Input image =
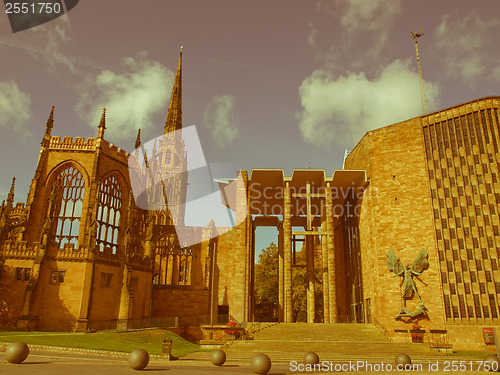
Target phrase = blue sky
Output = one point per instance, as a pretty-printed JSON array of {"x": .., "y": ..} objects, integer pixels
[{"x": 276, "y": 84}]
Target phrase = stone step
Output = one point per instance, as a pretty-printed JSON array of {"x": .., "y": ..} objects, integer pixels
[
  {"x": 285, "y": 342},
  {"x": 322, "y": 332}
]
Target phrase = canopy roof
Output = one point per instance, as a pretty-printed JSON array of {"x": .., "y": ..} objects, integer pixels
[{"x": 266, "y": 189}]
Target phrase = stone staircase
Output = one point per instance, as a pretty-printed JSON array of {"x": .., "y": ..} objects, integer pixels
[{"x": 285, "y": 342}]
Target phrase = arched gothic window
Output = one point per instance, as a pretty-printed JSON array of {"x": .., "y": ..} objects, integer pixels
[
  {"x": 70, "y": 190},
  {"x": 108, "y": 214},
  {"x": 168, "y": 157},
  {"x": 186, "y": 257}
]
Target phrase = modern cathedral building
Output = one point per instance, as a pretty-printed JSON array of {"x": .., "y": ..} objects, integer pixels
[{"x": 409, "y": 229}]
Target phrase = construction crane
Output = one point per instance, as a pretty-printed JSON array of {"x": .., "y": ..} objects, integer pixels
[{"x": 415, "y": 35}]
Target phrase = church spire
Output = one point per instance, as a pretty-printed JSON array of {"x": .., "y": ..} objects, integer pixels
[
  {"x": 102, "y": 124},
  {"x": 174, "y": 116},
  {"x": 48, "y": 129},
  {"x": 50, "y": 122},
  {"x": 10, "y": 196},
  {"x": 138, "y": 140}
]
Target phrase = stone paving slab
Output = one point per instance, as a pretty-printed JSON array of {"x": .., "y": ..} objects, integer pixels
[{"x": 45, "y": 363}]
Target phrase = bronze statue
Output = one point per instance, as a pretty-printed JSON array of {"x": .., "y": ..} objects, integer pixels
[
  {"x": 405, "y": 313},
  {"x": 420, "y": 264}
]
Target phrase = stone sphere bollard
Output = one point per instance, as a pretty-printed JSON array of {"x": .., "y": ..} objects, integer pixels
[
  {"x": 311, "y": 358},
  {"x": 138, "y": 359},
  {"x": 403, "y": 360},
  {"x": 17, "y": 352},
  {"x": 218, "y": 357},
  {"x": 261, "y": 364},
  {"x": 493, "y": 363}
]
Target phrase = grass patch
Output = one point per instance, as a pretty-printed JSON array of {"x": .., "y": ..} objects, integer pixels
[{"x": 150, "y": 340}]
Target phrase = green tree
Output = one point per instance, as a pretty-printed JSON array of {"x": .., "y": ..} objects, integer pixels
[
  {"x": 267, "y": 289},
  {"x": 266, "y": 275},
  {"x": 299, "y": 287}
]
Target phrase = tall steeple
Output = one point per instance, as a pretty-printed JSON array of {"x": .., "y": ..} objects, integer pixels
[
  {"x": 50, "y": 122},
  {"x": 102, "y": 125},
  {"x": 10, "y": 196},
  {"x": 48, "y": 129},
  {"x": 174, "y": 116},
  {"x": 138, "y": 140}
]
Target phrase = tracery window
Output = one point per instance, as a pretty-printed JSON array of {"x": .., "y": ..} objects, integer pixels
[
  {"x": 71, "y": 188},
  {"x": 186, "y": 256},
  {"x": 168, "y": 157},
  {"x": 172, "y": 265},
  {"x": 108, "y": 214}
]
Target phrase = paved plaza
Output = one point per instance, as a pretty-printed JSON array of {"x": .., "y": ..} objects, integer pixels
[{"x": 39, "y": 363}]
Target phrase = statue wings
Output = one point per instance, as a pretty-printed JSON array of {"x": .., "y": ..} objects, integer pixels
[
  {"x": 393, "y": 263},
  {"x": 421, "y": 262}
]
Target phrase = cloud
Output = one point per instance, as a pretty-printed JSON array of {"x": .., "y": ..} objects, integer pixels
[
  {"x": 358, "y": 34},
  {"x": 51, "y": 37},
  {"x": 47, "y": 43},
  {"x": 496, "y": 73},
  {"x": 374, "y": 17},
  {"x": 340, "y": 111},
  {"x": 313, "y": 34},
  {"x": 461, "y": 42},
  {"x": 221, "y": 119},
  {"x": 131, "y": 96},
  {"x": 15, "y": 108}
]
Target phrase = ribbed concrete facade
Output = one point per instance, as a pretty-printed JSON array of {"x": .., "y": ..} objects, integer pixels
[{"x": 433, "y": 185}]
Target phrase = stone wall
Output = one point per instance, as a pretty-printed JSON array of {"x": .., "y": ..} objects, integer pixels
[
  {"x": 57, "y": 301},
  {"x": 181, "y": 301},
  {"x": 396, "y": 214}
]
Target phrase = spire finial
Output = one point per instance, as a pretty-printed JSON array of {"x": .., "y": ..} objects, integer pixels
[
  {"x": 50, "y": 122},
  {"x": 102, "y": 124},
  {"x": 138, "y": 140},
  {"x": 182, "y": 48},
  {"x": 174, "y": 116},
  {"x": 10, "y": 197}
]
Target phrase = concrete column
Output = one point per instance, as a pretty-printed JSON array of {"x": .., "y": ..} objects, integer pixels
[
  {"x": 251, "y": 279},
  {"x": 309, "y": 244},
  {"x": 209, "y": 247},
  {"x": 213, "y": 284},
  {"x": 281, "y": 272},
  {"x": 238, "y": 285},
  {"x": 324, "y": 258},
  {"x": 311, "y": 308},
  {"x": 332, "y": 285},
  {"x": 287, "y": 254}
]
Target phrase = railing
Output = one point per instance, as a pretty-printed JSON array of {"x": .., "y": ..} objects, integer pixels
[
  {"x": 165, "y": 321},
  {"x": 438, "y": 339},
  {"x": 101, "y": 325},
  {"x": 131, "y": 324},
  {"x": 218, "y": 319},
  {"x": 381, "y": 327},
  {"x": 345, "y": 319}
]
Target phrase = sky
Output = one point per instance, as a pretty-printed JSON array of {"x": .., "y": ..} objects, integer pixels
[{"x": 268, "y": 84}]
